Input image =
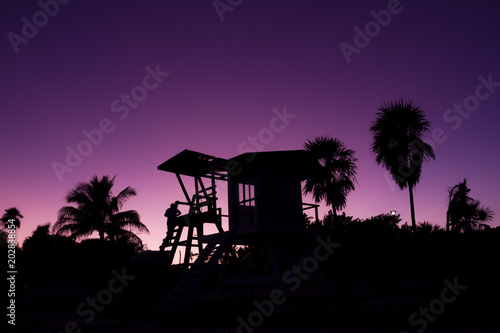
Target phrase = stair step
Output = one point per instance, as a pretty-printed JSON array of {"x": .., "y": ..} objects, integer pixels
[{"x": 193, "y": 279}]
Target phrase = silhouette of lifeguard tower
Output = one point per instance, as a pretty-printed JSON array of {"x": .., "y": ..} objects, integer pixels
[{"x": 264, "y": 210}]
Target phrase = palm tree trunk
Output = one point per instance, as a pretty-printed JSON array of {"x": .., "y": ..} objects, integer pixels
[
  {"x": 412, "y": 209},
  {"x": 447, "y": 221}
]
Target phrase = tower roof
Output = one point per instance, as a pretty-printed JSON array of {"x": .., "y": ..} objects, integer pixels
[
  {"x": 192, "y": 163},
  {"x": 298, "y": 163}
]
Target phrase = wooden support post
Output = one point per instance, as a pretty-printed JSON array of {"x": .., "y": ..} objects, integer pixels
[
  {"x": 203, "y": 188},
  {"x": 199, "y": 233},
  {"x": 196, "y": 200},
  {"x": 183, "y": 188},
  {"x": 189, "y": 241},
  {"x": 214, "y": 193},
  {"x": 223, "y": 270}
]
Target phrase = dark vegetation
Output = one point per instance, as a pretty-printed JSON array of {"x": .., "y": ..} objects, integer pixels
[{"x": 382, "y": 272}]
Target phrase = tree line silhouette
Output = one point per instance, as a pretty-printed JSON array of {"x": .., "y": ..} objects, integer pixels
[
  {"x": 397, "y": 146},
  {"x": 66, "y": 252}
]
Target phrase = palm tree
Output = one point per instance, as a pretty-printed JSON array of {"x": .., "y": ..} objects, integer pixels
[
  {"x": 98, "y": 210},
  {"x": 465, "y": 213},
  {"x": 398, "y": 146},
  {"x": 12, "y": 214},
  {"x": 336, "y": 173}
]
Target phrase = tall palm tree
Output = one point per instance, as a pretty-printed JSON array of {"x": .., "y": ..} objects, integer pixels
[
  {"x": 465, "y": 213},
  {"x": 12, "y": 214},
  {"x": 336, "y": 173},
  {"x": 98, "y": 210},
  {"x": 398, "y": 146}
]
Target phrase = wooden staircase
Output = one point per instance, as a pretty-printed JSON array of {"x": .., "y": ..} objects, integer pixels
[
  {"x": 197, "y": 274},
  {"x": 171, "y": 244}
]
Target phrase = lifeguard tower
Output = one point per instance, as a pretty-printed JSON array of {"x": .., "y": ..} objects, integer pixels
[{"x": 264, "y": 210}]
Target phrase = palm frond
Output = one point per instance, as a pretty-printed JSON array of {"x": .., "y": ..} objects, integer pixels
[
  {"x": 397, "y": 143},
  {"x": 97, "y": 210},
  {"x": 335, "y": 174}
]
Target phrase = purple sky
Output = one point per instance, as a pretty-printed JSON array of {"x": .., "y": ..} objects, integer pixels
[{"x": 225, "y": 79}]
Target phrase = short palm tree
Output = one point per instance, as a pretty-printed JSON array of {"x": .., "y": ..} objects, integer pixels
[
  {"x": 465, "y": 213},
  {"x": 98, "y": 211},
  {"x": 397, "y": 144},
  {"x": 336, "y": 174},
  {"x": 12, "y": 214}
]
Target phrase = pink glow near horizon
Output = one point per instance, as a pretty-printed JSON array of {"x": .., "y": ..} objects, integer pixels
[{"x": 70, "y": 82}]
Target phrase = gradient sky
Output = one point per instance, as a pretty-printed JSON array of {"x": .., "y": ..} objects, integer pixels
[{"x": 225, "y": 79}]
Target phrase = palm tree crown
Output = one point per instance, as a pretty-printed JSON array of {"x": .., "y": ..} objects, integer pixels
[
  {"x": 98, "y": 210},
  {"x": 336, "y": 173},
  {"x": 397, "y": 143},
  {"x": 12, "y": 214},
  {"x": 465, "y": 213}
]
